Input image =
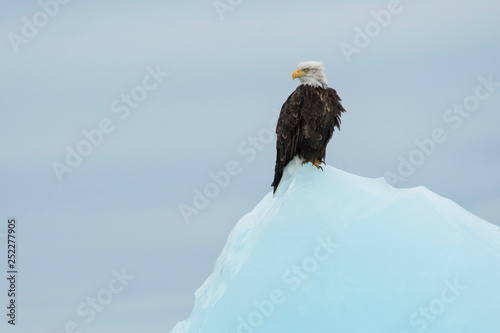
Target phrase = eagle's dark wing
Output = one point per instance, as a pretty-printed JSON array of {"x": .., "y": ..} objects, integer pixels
[
  {"x": 332, "y": 113},
  {"x": 289, "y": 134},
  {"x": 336, "y": 106}
]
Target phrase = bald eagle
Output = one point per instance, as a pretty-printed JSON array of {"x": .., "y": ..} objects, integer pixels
[{"x": 307, "y": 119}]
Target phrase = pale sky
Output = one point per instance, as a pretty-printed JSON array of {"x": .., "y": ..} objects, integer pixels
[{"x": 180, "y": 92}]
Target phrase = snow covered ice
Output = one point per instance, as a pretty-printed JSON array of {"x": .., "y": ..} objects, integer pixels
[{"x": 335, "y": 252}]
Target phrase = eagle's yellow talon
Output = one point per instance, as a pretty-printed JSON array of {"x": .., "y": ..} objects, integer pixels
[{"x": 317, "y": 164}]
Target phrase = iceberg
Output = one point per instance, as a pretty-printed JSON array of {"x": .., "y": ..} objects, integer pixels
[{"x": 336, "y": 252}]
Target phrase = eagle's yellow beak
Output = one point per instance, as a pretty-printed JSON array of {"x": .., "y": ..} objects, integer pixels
[{"x": 298, "y": 73}]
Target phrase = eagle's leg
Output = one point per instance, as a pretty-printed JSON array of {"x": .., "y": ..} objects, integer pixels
[{"x": 316, "y": 163}]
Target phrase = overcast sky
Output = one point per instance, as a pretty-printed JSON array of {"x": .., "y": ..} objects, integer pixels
[{"x": 173, "y": 94}]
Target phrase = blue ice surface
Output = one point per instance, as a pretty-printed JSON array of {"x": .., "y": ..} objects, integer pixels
[{"x": 335, "y": 252}]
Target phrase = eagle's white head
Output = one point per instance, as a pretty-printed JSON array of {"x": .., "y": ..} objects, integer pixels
[{"x": 311, "y": 73}]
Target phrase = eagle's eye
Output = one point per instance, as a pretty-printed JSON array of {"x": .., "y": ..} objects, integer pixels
[{"x": 306, "y": 70}]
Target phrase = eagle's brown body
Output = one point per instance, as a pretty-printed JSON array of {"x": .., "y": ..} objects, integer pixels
[{"x": 306, "y": 124}]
